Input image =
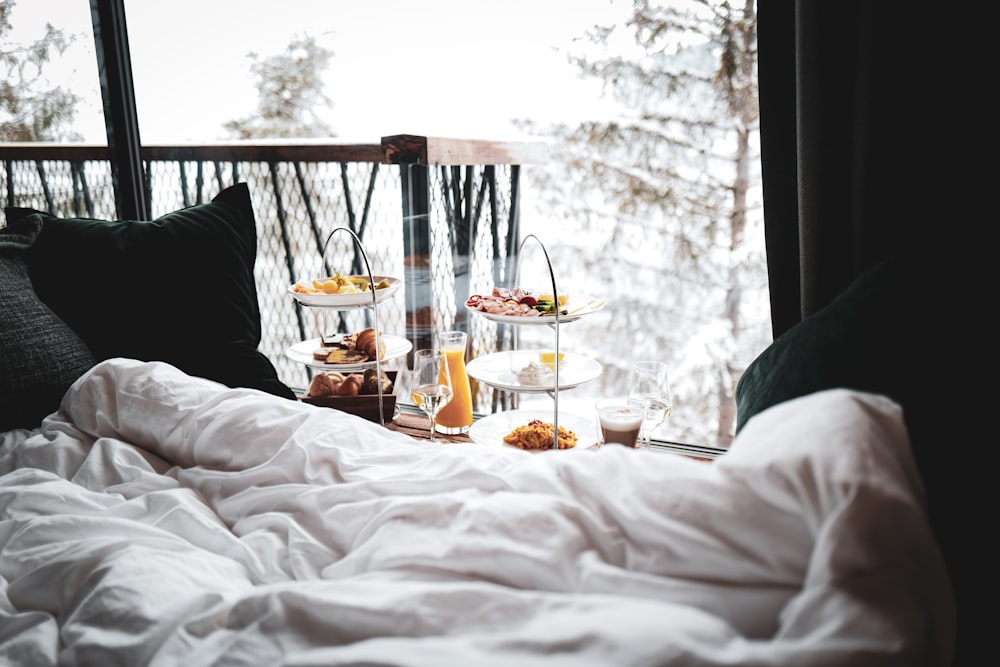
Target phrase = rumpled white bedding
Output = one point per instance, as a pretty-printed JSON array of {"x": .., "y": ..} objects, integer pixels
[{"x": 159, "y": 519}]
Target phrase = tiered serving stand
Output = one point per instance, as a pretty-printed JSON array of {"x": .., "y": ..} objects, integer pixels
[
  {"x": 494, "y": 369},
  {"x": 395, "y": 346}
]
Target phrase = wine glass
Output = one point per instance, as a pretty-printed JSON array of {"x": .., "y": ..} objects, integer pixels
[
  {"x": 430, "y": 385},
  {"x": 649, "y": 390}
]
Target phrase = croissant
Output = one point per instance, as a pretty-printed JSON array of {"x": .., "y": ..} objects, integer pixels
[{"x": 365, "y": 342}]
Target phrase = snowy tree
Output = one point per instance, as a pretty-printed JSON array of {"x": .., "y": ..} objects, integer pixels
[
  {"x": 290, "y": 88},
  {"x": 666, "y": 186},
  {"x": 29, "y": 110}
]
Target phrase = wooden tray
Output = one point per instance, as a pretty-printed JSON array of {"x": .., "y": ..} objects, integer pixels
[{"x": 363, "y": 405}]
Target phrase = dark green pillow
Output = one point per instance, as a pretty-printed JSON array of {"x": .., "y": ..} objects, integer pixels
[
  {"x": 178, "y": 289},
  {"x": 881, "y": 335},
  {"x": 40, "y": 357}
]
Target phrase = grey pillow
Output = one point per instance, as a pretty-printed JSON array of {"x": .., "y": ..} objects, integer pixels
[{"x": 40, "y": 356}]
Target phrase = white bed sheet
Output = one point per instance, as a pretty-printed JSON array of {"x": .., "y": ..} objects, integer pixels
[{"x": 160, "y": 519}]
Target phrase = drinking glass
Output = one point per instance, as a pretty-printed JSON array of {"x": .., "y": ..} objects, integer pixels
[
  {"x": 619, "y": 421},
  {"x": 649, "y": 390},
  {"x": 430, "y": 385}
]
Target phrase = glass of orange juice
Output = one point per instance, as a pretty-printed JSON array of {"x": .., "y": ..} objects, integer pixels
[{"x": 456, "y": 417}]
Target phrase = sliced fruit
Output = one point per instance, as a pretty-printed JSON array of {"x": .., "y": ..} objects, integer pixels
[{"x": 328, "y": 287}]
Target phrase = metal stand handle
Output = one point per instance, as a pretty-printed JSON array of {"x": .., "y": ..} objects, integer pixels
[
  {"x": 378, "y": 328},
  {"x": 555, "y": 296}
]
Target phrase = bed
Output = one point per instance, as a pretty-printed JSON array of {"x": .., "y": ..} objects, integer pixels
[
  {"x": 158, "y": 519},
  {"x": 163, "y": 509}
]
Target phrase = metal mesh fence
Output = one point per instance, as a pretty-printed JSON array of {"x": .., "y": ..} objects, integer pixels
[
  {"x": 63, "y": 188},
  {"x": 467, "y": 231}
]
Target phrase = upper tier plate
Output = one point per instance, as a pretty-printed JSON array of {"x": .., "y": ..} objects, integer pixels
[
  {"x": 577, "y": 305},
  {"x": 495, "y": 370},
  {"x": 356, "y": 300},
  {"x": 303, "y": 353}
]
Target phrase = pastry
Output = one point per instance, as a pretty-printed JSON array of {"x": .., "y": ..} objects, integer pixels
[
  {"x": 345, "y": 357},
  {"x": 364, "y": 341},
  {"x": 332, "y": 383},
  {"x": 351, "y": 386},
  {"x": 325, "y": 384},
  {"x": 370, "y": 385}
]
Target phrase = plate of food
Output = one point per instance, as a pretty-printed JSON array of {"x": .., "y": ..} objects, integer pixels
[
  {"x": 350, "y": 352},
  {"x": 532, "y": 371},
  {"x": 339, "y": 291},
  {"x": 531, "y": 430},
  {"x": 526, "y": 306}
]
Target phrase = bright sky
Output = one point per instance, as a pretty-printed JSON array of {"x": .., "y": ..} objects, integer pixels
[{"x": 457, "y": 68}]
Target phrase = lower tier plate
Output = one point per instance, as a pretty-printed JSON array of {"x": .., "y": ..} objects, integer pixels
[{"x": 491, "y": 429}]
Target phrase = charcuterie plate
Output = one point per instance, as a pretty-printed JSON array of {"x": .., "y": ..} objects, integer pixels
[{"x": 576, "y": 306}]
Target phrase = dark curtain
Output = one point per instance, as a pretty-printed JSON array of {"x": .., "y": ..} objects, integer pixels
[
  {"x": 874, "y": 144},
  {"x": 872, "y": 138}
]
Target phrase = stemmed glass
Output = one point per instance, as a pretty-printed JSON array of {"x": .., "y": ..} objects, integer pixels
[
  {"x": 430, "y": 385},
  {"x": 649, "y": 390}
]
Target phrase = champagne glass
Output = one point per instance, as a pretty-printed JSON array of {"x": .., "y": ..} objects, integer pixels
[
  {"x": 649, "y": 390},
  {"x": 430, "y": 385}
]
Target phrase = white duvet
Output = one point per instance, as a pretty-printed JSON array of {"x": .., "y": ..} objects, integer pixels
[{"x": 159, "y": 519}]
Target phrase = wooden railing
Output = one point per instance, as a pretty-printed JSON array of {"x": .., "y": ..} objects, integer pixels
[{"x": 441, "y": 213}]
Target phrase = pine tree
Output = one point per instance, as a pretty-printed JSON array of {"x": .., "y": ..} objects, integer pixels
[
  {"x": 665, "y": 186},
  {"x": 28, "y": 112},
  {"x": 290, "y": 89}
]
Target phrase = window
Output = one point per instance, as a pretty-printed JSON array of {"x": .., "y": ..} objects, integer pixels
[{"x": 684, "y": 282}]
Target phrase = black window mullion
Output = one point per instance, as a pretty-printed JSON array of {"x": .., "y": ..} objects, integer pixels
[{"x": 114, "y": 66}]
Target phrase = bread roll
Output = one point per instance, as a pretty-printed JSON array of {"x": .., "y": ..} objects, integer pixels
[
  {"x": 325, "y": 384},
  {"x": 351, "y": 385},
  {"x": 370, "y": 383}
]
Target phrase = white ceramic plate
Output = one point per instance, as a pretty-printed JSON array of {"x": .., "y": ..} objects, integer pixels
[
  {"x": 302, "y": 353},
  {"x": 577, "y": 305},
  {"x": 356, "y": 300},
  {"x": 495, "y": 370},
  {"x": 491, "y": 429}
]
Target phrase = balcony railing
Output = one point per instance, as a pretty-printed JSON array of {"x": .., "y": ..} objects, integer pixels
[{"x": 440, "y": 213}]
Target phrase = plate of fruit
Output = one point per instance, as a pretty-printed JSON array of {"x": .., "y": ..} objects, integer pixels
[{"x": 338, "y": 291}]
